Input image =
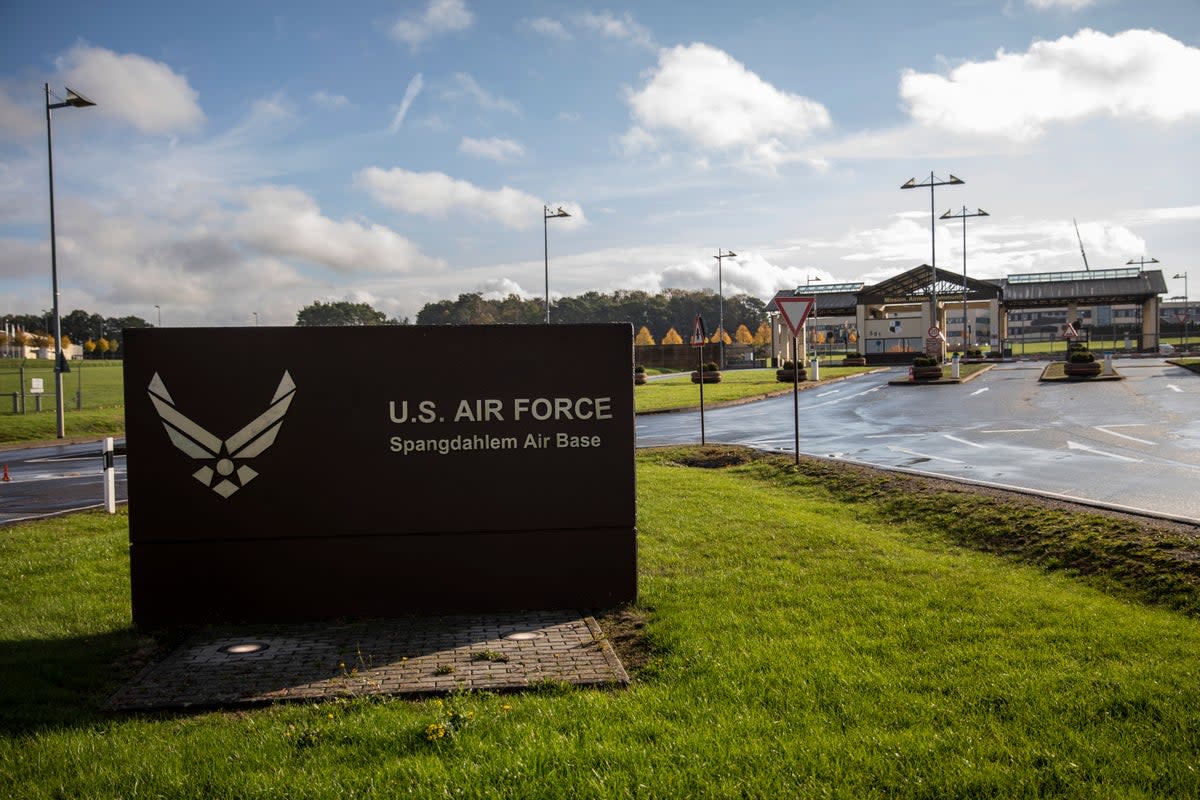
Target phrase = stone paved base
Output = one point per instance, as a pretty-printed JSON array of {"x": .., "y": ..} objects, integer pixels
[{"x": 263, "y": 664}]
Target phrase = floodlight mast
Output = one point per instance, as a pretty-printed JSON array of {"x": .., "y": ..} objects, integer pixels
[{"x": 932, "y": 181}]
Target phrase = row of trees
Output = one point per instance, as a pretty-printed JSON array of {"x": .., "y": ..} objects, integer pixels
[
  {"x": 671, "y": 308},
  {"x": 760, "y": 338},
  {"x": 99, "y": 335}
]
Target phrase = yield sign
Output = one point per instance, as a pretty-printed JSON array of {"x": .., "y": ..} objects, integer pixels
[{"x": 795, "y": 310}]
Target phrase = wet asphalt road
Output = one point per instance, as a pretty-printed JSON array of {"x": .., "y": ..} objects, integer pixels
[
  {"x": 1131, "y": 444},
  {"x": 55, "y": 479}
]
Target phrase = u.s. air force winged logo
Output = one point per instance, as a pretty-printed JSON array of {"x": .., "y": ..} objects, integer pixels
[{"x": 225, "y": 456}]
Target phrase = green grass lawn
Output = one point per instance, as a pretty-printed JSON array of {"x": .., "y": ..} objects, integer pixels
[
  {"x": 101, "y": 384},
  {"x": 669, "y": 394},
  {"x": 821, "y": 632}
]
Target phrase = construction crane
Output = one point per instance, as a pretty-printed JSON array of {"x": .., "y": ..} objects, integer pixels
[{"x": 1082, "y": 252}]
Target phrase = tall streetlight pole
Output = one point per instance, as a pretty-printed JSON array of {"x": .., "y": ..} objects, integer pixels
[
  {"x": 158, "y": 308},
  {"x": 932, "y": 181},
  {"x": 1186, "y": 316},
  {"x": 548, "y": 215},
  {"x": 721, "y": 311},
  {"x": 255, "y": 313},
  {"x": 979, "y": 212},
  {"x": 75, "y": 100}
]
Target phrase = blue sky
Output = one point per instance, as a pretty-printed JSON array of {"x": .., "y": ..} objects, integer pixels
[{"x": 257, "y": 156}]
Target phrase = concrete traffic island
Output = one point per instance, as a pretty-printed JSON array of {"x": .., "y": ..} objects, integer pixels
[
  {"x": 1056, "y": 372},
  {"x": 942, "y": 381}
]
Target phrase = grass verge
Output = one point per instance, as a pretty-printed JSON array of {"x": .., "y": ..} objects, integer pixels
[
  {"x": 825, "y": 631},
  {"x": 100, "y": 383},
  {"x": 674, "y": 394}
]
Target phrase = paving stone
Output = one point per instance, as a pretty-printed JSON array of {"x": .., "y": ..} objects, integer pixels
[{"x": 413, "y": 656}]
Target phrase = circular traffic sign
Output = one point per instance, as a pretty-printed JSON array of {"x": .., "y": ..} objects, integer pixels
[{"x": 934, "y": 331}]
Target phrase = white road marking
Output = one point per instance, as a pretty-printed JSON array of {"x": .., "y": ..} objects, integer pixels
[
  {"x": 1174, "y": 388},
  {"x": 1104, "y": 429},
  {"x": 893, "y": 435},
  {"x": 840, "y": 399},
  {"x": 1014, "y": 430},
  {"x": 831, "y": 391},
  {"x": 964, "y": 441},
  {"x": 923, "y": 455},
  {"x": 979, "y": 391},
  {"x": 1076, "y": 446}
]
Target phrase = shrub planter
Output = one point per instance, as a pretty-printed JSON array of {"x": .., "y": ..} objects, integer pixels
[
  {"x": 709, "y": 377},
  {"x": 1085, "y": 369},
  {"x": 639, "y": 378},
  {"x": 789, "y": 375},
  {"x": 927, "y": 373},
  {"x": 854, "y": 362}
]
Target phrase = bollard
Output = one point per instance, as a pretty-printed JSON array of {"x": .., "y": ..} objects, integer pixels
[
  {"x": 110, "y": 482},
  {"x": 954, "y": 373},
  {"x": 1108, "y": 367},
  {"x": 816, "y": 368}
]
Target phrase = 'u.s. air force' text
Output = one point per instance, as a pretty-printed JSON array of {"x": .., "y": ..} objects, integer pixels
[{"x": 518, "y": 409}]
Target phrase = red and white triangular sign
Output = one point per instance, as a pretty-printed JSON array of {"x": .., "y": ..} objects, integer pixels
[
  {"x": 698, "y": 335},
  {"x": 794, "y": 311},
  {"x": 1070, "y": 332}
]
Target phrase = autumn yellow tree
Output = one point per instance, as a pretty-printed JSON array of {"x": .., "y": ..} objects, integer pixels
[
  {"x": 743, "y": 336},
  {"x": 103, "y": 346},
  {"x": 66, "y": 342},
  {"x": 644, "y": 337},
  {"x": 672, "y": 337},
  {"x": 762, "y": 337},
  {"x": 720, "y": 335},
  {"x": 89, "y": 346}
]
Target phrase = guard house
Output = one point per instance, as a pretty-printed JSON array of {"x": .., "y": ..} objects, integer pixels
[
  {"x": 1106, "y": 302},
  {"x": 896, "y": 319}
]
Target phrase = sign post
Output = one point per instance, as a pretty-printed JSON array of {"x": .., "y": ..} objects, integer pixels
[
  {"x": 795, "y": 311},
  {"x": 698, "y": 337}
]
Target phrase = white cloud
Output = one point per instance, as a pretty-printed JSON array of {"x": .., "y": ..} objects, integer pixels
[
  {"x": 410, "y": 94},
  {"x": 1137, "y": 74},
  {"x": 146, "y": 94},
  {"x": 550, "y": 28},
  {"x": 500, "y": 288},
  {"x": 470, "y": 88},
  {"x": 328, "y": 101},
  {"x": 494, "y": 149},
  {"x": 286, "y": 222},
  {"x": 712, "y": 100},
  {"x": 440, "y": 16},
  {"x": 20, "y": 120},
  {"x": 625, "y": 28},
  {"x": 1068, "y": 5},
  {"x": 437, "y": 194}
]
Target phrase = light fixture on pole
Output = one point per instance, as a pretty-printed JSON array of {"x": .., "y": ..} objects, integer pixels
[
  {"x": 809, "y": 279},
  {"x": 1186, "y": 311},
  {"x": 1142, "y": 262},
  {"x": 721, "y": 312},
  {"x": 932, "y": 182},
  {"x": 548, "y": 215},
  {"x": 979, "y": 212},
  {"x": 75, "y": 100},
  {"x": 158, "y": 308},
  {"x": 255, "y": 313}
]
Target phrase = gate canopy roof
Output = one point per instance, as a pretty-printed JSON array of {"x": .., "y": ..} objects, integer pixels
[
  {"x": 1097, "y": 287},
  {"x": 917, "y": 285}
]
